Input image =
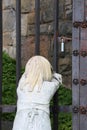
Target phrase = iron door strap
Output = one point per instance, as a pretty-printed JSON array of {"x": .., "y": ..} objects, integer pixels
[
  {"x": 80, "y": 109},
  {"x": 77, "y": 24}
]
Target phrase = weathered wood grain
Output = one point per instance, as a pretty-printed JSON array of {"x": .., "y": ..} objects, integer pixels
[
  {"x": 83, "y": 75},
  {"x": 75, "y": 75},
  {"x": 78, "y": 10}
]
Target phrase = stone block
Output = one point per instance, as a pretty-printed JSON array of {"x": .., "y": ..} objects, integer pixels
[
  {"x": 46, "y": 3},
  {"x": 31, "y": 29},
  {"x": 44, "y": 28},
  {"x": 68, "y": 9},
  {"x": 28, "y": 48},
  {"x": 27, "y": 5},
  {"x": 9, "y": 4},
  {"x": 65, "y": 28},
  {"x": 12, "y": 52},
  {"x": 47, "y": 15},
  {"x": 24, "y": 24},
  {"x": 13, "y": 35},
  {"x": 9, "y": 20},
  {"x": 7, "y": 39},
  {"x": 64, "y": 61},
  {"x": 31, "y": 18}
]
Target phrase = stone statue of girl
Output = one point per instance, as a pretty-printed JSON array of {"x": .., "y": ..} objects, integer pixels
[{"x": 36, "y": 88}]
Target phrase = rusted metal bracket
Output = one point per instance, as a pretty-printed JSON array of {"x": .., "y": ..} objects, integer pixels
[
  {"x": 77, "y": 24},
  {"x": 80, "y": 109}
]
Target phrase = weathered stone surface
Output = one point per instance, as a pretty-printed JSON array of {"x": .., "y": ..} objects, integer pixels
[
  {"x": 64, "y": 61},
  {"x": 24, "y": 24},
  {"x": 7, "y": 39},
  {"x": 23, "y": 39},
  {"x": 9, "y": 4},
  {"x": 5, "y": 49},
  {"x": 27, "y": 5},
  {"x": 47, "y": 15},
  {"x": 9, "y": 20},
  {"x": 28, "y": 48},
  {"x": 46, "y": 3},
  {"x": 67, "y": 81},
  {"x": 31, "y": 18},
  {"x": 31, "y": 29},
  {"x": 44, "y": 28},
  {"x": 61, "y": 10},
  {"x": 47, "y": 8},
  {"x": 12, "y": 52},
  {"x": 65, "y": 70},
  {"x": 13, "y": 35},
  {"x": 65, "y": 28},
  {"x": 68, "y": 9}
]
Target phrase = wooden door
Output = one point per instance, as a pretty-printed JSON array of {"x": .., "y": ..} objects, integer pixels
[{"x": 79, "y": 65}]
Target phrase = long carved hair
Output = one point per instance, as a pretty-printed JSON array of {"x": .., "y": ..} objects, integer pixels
[{"x": 37, "y": 70}]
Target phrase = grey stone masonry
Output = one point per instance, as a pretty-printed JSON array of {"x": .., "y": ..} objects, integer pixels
[{"x": 28, "y": 28}]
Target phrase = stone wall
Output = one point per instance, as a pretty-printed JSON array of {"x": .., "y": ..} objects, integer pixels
[{"x": 28, "y": 31}]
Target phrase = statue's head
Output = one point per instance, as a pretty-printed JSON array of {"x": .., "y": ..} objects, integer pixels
[{"x": 37, "y": 70}]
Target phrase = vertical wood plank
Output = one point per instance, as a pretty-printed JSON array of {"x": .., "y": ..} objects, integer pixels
[
  {"x": 78, "y": 10},
  {"x": 86, "y": 10},
  {"x": 75, "y": 75},
  {"x": 83, "y": 75},
  {"x": 79, "y": 94}
]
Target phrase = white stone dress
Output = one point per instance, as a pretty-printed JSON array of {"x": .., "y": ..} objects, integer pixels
[{"x": 33, "y": 107}]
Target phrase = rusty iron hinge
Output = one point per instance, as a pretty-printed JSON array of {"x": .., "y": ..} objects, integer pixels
[
  {"x": 80, "y": 109},
  {"x": 77, "y": 24}
]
